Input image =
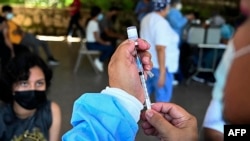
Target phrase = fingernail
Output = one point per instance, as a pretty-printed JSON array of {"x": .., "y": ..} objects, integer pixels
[{"x": 149, "y": 113}]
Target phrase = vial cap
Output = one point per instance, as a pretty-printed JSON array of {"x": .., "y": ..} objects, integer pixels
[{"x": 132, "y": 33}]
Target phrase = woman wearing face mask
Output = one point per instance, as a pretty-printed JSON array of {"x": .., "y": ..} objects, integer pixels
[
  {"x": 164, "y": 49},
  {"x": 94, "y": 41},
  {"x": 230, "y": 95},
  {"x": 27, "y": 113},
  {"x": 178, "y": 21}
]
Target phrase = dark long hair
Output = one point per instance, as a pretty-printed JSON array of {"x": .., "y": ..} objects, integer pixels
[
  {"x": 19, "y": 69},
  {"x": 94, "y": 11}
]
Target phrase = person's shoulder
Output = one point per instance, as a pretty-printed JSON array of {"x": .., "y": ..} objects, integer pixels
[
  {"x": 153, "y": 16},
  {"x": 104, "y": 19},
  {"x": 91, "y": 22},
  {"x": 240, "y": 40},
  {"x": 55, "y": 108},
  {"x": 10, "y": 22},
  {"x": 5, "y": 109},
  {"x": 174, "y": 10},
  {"x": 146, "y": 18},
  {"x": 50, "y": 106},
  {"x": 54, "y": 105}
]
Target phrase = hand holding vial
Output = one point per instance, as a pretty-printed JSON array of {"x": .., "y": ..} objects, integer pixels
[
  {"x": 123, "y": 68},
  {"x": 132, "y": 35}
]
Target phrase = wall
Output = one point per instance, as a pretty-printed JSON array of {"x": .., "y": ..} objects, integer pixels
[
  {"x": 47, "y": 21},
  {"x": 44, "y": 21}
]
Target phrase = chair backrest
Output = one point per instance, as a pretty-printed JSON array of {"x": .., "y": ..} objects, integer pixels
[
  {"x": 196, "y": 35},
  {"x": 213, "y": 35}
]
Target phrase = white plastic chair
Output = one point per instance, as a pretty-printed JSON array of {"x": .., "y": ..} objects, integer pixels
[
  {"x": 213, "y": 35},
  {"x": 89, "y": 53},
  {"x": 196, "y": 35}
]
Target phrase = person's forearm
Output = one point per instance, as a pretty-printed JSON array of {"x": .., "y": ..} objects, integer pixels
[
  {"x": 129, "y": 102},
  {"x": 8, "y": 42},
  {"x": 161, "y": 59},
  {"x": 98, "y": 117},
  {"x": 99, "y": 39},
  {"x": 112, "y": 34}
]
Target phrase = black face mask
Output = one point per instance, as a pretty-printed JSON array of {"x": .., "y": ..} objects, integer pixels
[{"x": 30, "y": 99}]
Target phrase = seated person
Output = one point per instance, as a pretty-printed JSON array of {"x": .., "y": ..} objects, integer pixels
[
  {"x": 7, "y": 49},
  {"x": 94, "y": 41},
  {"x": 142, "y": 8},
  {"x": 108, "y": 32},
  {"x": 18, "y": 36},
  {"x": 27, "y": 113}
]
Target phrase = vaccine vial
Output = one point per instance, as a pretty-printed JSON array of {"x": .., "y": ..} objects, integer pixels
[{"x": 132, "y": 33}]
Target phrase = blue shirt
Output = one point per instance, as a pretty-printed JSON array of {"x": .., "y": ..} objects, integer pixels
[
  {"x": 176, "y": 20},
  {"x": 227, "y": 31},
  {"x": 140, "y": 9},
  {"x": 102, "y": 117}
]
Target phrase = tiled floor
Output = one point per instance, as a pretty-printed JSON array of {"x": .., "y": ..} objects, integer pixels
[{"x": 67, "y": 86}]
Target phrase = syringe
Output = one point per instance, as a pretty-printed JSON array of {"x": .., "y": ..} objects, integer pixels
[{"x": 132, "y": 35}]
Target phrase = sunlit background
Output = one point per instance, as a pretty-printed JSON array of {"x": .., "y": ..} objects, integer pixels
[
  {"x": 49, "y": 17},
  {"x": 48, "y": 20}
]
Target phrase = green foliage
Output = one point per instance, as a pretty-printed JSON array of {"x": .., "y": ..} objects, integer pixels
[
  {"x": 13, "y": 1},
  {"x": 104, "y": 4}
]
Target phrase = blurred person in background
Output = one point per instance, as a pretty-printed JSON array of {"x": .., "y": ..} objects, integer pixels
[
  {"x": 107, "y": 26},
  {"x": 75, "y": 16},
  {"x": 20, "y": 37},
  {"x": 27, "y": 114},
  {"x": 142, "y": 8},
  {"x": 217, "y": 21},
  {"x": 230, "y": 95},
  {"x": 164, "y": 42},
  {"x": 227, "y": 30},
  {"x": 94, "y": 40},
  {"x": 178, "y": 21},
  {"x": 6, "y": 48}
]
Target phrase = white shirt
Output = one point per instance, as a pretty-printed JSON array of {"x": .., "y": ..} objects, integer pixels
[
  {"x": 222, "y": 71},
  {"x": 90, "y": 29},
  {"x": 214, "y": 114},
  {"x": 156, "y": 31}
]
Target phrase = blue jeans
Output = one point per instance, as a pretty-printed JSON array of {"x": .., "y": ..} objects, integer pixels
[
  {"x": 106, "y": 51},
  {"x": 162, "y": 94}
]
